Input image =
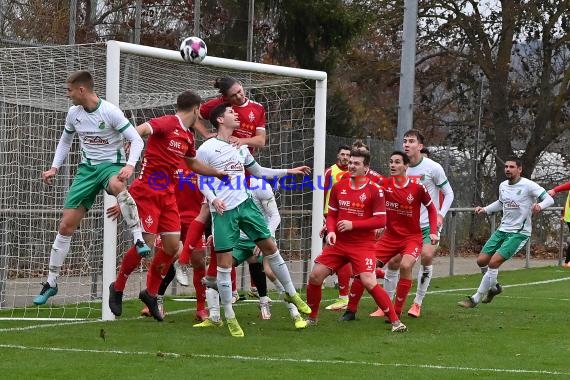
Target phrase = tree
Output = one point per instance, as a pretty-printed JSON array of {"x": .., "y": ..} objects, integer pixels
[{"x": 528, "y": 87}]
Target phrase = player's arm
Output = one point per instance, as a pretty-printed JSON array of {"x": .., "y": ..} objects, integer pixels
[
  {"x": 448, "y": 197},
  {"x": 144, "y": 129},
  {"x": 559, "y": 189},
  {"x": 378, "y": 218},
  {"x": 61, "y": 152},
  {"x": 200, "y": 127},
  {"x": 135, "y": 150},
  {"x": 257, "y": 141},
  {"x": 259, "y": 171},
  {"x": 545, "y": 200},
  {"x": 201, "y": 168},
  {"x": 491, "y": 208},
  {"x": 332, "y": 216},
  {"x": 432, "y": 211}
]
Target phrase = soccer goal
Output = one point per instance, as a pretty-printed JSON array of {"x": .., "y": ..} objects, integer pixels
[{"x": 144, "y": 82}]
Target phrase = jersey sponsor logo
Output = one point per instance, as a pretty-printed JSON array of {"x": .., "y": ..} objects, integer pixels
[
  {"x": 362, "y": 197},
  {"x": 101, "y": 125},
  {"x": 410, "y": 198},
  {"x": 95, "y": 140},
  {"x": 393, "y": 205},
  {"x": 343, "y": 203},
  {"x": 175, "y": 144},
  {"x": 511, "y": 205},
  {"x": 234, "y": 167}
]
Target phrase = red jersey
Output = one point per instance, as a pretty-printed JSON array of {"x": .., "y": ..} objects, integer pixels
[
  {"x": 403, "y": 206},
  {"x": 356, "y": 205},
  {"x": 166, "y": 148},
  {"x": 188, "y": 196},
  {"x": 251, "y": 116}
]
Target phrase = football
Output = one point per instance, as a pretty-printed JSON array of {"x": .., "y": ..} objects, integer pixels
[{"x": 193, "y": 49}]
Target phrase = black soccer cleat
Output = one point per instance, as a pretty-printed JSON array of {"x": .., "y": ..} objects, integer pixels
[
  {"x": 152, "y": 304},
  {"x": 115, "y": 300},
  {"x": 347, "y": 316}
]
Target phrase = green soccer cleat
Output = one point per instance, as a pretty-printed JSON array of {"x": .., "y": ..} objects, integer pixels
[
  {"x": 300, "y": 323},
  {"x": 297, "y": 301},
  {"x": 235, "y": 328},
  {"x": 46, "y": 292},
  {"x": 209, "y": 323},
  {"x": 340, "y": 304}
]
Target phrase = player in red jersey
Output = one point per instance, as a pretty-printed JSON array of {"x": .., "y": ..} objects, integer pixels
[
  {"x": 403, "y": 235},
  {"x": 356, "y": 209},
  {"x": 344, "y": 273},
  {"x": 189, "y": 200},
  {"x": 251, "y": 132},
  {"x": 170, "y": 143}
]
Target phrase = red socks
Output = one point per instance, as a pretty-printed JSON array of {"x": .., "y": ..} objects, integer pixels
[
  {"x": 383, "y": 301},
  {"x": 314, "y": 295},
  {"x": 195, "y": 232},
  {"x": 344, "y": 273},
  {"x": 159, "y": 262},
  {"x": 402, "y": 291},
  {"x": 355, "y": 294}
]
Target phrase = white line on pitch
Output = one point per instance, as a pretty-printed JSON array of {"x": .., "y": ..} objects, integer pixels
[
  {"x": 504, "y": 286},
  {"x": 287, "y": 360}
]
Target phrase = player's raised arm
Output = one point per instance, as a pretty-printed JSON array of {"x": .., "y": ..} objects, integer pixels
[{"x": 61, "y": 152}]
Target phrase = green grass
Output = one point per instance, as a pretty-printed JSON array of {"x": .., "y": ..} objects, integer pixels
[{"x": 520, "y": 335}]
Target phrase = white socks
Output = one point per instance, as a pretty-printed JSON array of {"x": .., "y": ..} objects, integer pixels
[
  {"x": 224, "y": 282},
  {"x": 279, "y": 268},
  {"x": 488, "y": 281},
  {"x": 59, "y": 251},
  {"x": 424, "y": 279},
  {"x": 130, "y": 214},
  {"x": 213, "y": 301},
  {"x": 391, "y": 278}
]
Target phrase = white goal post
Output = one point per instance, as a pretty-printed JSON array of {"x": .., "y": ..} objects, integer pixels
[
  {"x": 144, "y": 82},
  {"x": 113, "y": 91}
]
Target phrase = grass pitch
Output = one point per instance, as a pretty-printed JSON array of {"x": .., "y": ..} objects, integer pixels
[{"x": 520, "y": 335}]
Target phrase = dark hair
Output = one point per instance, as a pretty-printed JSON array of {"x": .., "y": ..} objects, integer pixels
[
  {"x": 343, "y": 147},
  {"x": 425, "y": 151},
  {"x": 405, "y": 157},
  {"x": 218, "y": 111},
  {"x": 358, "y": 144},
  {"x": 83, "y": 78},
  {"x": 361, "y": 153},
  {"x": 187, "y": 100},
  {"x": 223, "y": 84},
  {"x": 415, "y": 133},
  {"x": 515, "y": 159}
]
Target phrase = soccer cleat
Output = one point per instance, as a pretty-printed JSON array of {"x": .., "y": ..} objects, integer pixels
[
  {"x": 297, "y": 301},
  {"x": 467, "y": 303},
  {"x": 235, "y": 328},
  {"x": 492, "y": 293},
  {"x": 398, "y": 326},
  {"x": 378, "y": 313},
  {"x": 209, "y": 323},
  {"x": 181, "y": 273},
  {"x": 201, "y": 315},
  {"x": 415, "y": 311},
  {"x": 46, "y": 292},
  {"x": 312, "y": 321},
  {"x": 116, "y": 300},
  {"x": 264, "y": 310},
  {"x": 347, "y": 316},
  {"x": 152, "y": 304},
  {"x": 300, "y": 323},
  {"x": 142, "y": 249},
  {"x": 235, "y": 297},
  {"x": 253, "y": 293},
  {"x": 340, "y": 304}
]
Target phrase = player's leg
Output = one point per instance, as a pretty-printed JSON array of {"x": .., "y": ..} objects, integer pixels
[
  {"x": 392, "y": 275},
  {"x": 271, "y": 276},
  {"x": 212, "y": 295},
  {"x": 567, "y": 259},
  {"x": 321, "y": 270},
  {"x": 410, "y": 254},
  {"x": 129, "y": 210},
  {"x": 344, "y": 273},
  {"x": 80, "y": 197},
  {"x": 381, "y": 298},
  {"x": 192, "y": 240},
  {"x": 425, "y": 273}
]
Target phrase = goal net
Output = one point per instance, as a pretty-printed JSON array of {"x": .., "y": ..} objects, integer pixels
[{"x": 145, "y": 82}]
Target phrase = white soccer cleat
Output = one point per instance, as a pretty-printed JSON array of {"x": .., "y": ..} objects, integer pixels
[{"x": 181, "y": 273}]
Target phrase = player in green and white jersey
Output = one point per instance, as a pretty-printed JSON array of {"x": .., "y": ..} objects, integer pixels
[
  {"x": 433, "y": 177},
  {"x": 101, "y": 127},
  {"x": 233, "y": 210},
  {"x": 517, "y": 200}
]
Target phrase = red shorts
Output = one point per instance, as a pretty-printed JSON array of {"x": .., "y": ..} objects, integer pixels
[
  {"x": 158, "y": 210},
  {"x": 362, "y": 258},
  {"x": 389, "y": 246}
]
